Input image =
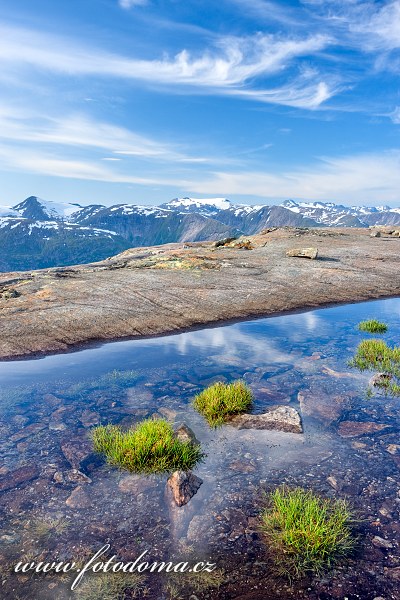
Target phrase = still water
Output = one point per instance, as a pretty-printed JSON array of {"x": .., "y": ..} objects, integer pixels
[{"x": 57, "y": 500}]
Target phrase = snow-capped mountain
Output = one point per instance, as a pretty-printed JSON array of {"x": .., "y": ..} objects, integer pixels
[
  {"x": 39, "y": 233},
  {"x": 43, "y": 210},
  {"x": 203, "y": 206},
  {"x": 337, "y": 215}
]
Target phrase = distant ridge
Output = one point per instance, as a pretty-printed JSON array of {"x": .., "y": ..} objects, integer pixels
[{"x": 39, "y": 233}]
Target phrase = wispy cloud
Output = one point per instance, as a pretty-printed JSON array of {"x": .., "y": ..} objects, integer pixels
[
  {"x": 79, "y": 130},
  {"x": 127, "y": 4},
  {"x": 355, "y": 179},
  {"x": 233, "y": 64},
  {"x": 364, "y": 178}
]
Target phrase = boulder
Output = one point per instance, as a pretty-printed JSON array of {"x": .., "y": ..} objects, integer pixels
[
  {"x": 183, "y": 486},
  {"x": 303, "y": 253},
  {"x": 280, "y": 418},
  {"x": 223, "y": 242},
  {"x": 375, "y": 234}
]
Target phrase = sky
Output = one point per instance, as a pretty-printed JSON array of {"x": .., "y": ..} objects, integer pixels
[{"x": 142, "y": 101}]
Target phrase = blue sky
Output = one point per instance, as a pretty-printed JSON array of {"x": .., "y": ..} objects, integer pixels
[{"x": 108, "y": 101}]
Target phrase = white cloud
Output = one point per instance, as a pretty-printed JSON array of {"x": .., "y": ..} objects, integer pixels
[
  {"x": 358, "y": 179},
  {"x": 78, "y": 130},
  {"x": 395, "y": 115},
  {"x": 127, "y": 4},
  {"x": 365, "y": 178},
  {"x": 234, "y": 64}
]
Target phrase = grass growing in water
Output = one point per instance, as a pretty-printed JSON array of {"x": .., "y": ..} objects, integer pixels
[
  {"x": 306, "y": 533},
  {"x": 373, "y": 326},
  {"x": 149, "y": 447},
  {"x": 111, "y": 586},
  {"x": 376, "y": 355},
  {"x": 220, "y": 401}
]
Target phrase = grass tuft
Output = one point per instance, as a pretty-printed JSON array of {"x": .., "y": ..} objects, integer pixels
[
  {"x": 220, "y": 401},
  {"x": 373, "y": 326},
  {"x": 111, "y": 586},
  {"x": 149, "y": 447},
  {"x": 376, "y": 355},
  {"x": 306, "y": 533}
]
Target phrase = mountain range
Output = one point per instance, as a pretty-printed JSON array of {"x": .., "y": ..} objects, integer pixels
[{"x": 38, "y": 233}]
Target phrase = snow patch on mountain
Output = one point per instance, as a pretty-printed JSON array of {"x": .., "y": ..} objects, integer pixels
[{"x": 219, "y": 203}]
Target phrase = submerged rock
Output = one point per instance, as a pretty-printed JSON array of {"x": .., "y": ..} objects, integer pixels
[
  {"x": 380, "y": 379},
  {"x": 78, "y": 499},
  {"x": 281, "y": 418},
  {"x": 185, "y": 434},
  {"x": 321, "y": 406},
  {"x": 184, "y": 486},
  {"x": 379, "y": 542},
  {"x": 79, "y": 453},
  {"x": 356, "y": 428},
  {"x": 22, "y": 475},
  {"x": 303, "y": 253}
]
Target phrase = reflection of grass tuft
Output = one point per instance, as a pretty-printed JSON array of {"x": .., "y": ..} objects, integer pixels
[
  {"x": 373, "y": 326},
  {"x": 114, "y": 378},
  {"x": 220, "y": 401},
  {"x": 149, "y": 447},
  {"x": 111, "y": 586},
  {"x": 306, "y": 533}
]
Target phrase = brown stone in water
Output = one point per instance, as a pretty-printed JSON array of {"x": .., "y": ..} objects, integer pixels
[
  {"x": 356, "y": 428},
  {"x": 79, "y": 453},
  {"x": 184, "y": 486},
  {"x": 89, "y": 418},
  {"x": 78, "y": 499},
  {"x": 321, "y": 406},
  {"x": 185, "y": 434}
]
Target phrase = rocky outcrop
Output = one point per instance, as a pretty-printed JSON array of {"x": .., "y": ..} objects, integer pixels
[
  {"x": 130, "y": 295},
  {"x": 280, "y": 418}
]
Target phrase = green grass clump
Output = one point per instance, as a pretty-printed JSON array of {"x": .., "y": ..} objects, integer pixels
[
  {"x": 306, "y": 533},
  {"x": 149, "y": 447},
  {"x": 376, "y": 355},
  {"x": 220, "y": 401},
  {"x": 373, "y": 326}
]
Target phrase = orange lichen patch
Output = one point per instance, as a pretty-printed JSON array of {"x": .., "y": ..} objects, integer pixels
[{"x": 45, "y": 293}]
